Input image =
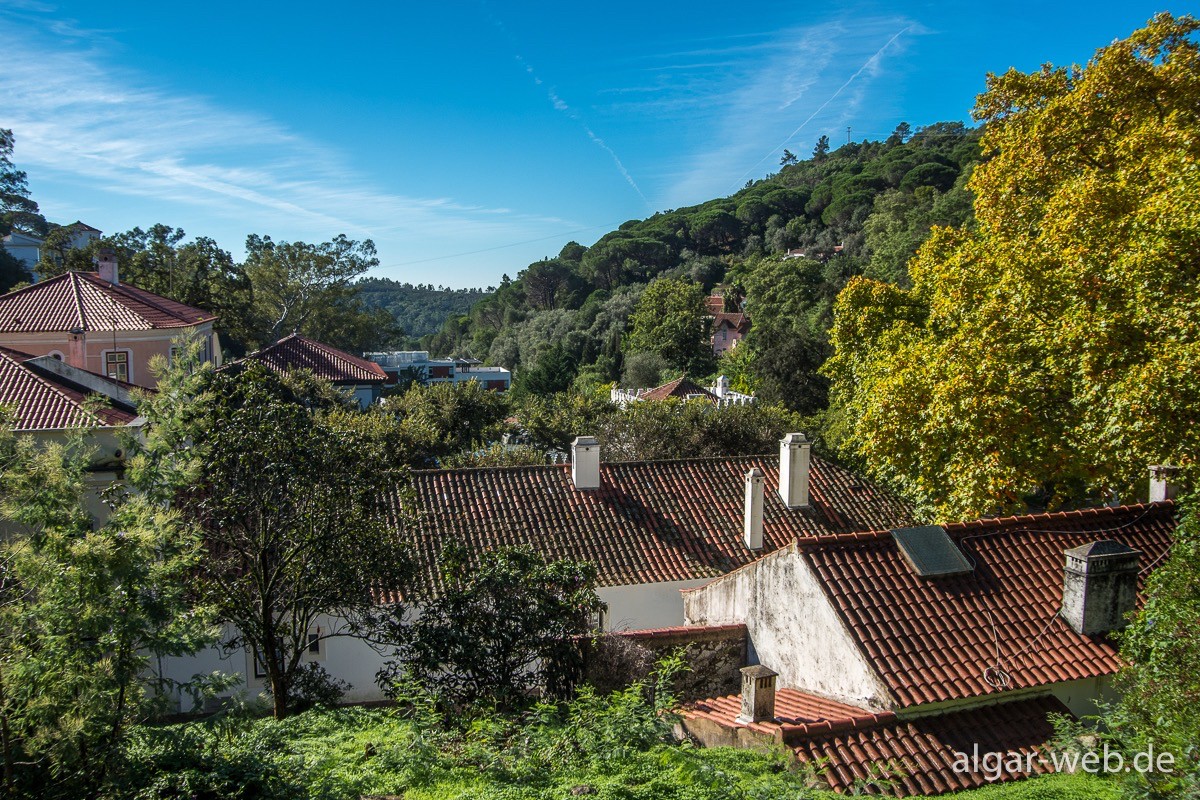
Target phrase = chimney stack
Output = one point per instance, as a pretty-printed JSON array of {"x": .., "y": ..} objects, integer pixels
[
  {"x": 1099, "y": 586},
  {"x": 77, "y": 348},
  {"x": 585, "y": 462},
  {"x": 1163, "y": 482},
  {"x": 106, "y": 265},
  {"x": 758, "y": 695},
  {"x": 752, "y": 523},
  {"x": 793, "y": 470}
]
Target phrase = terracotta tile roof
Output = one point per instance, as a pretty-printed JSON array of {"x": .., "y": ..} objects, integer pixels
[
  {"x": 82, "y": 300},
  {"x": 918, "y": 755},
  {"x": 796, "y": 714},
  {"x": 934, "y": 639},
  {"x": 300, "y": 352},
  {"x": 715, "y": 303},
  {"x": 736, "y": 321},
  {"x": 45, "y": 401},
  {"x": 680, "y": 388},
  {"x": 649, "y": 522},
  {"x": 851, "y": 746}
]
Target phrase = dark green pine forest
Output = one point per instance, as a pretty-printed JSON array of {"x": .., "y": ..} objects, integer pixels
[{"x": 781, "y": 249}]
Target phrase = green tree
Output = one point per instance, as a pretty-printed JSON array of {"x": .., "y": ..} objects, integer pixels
[
  {"x": 290, "y": 498},
  {"x": 86, "y": 608},
  {"x": 446, "y": 419},
  {"x": 501, "y": 624},
  {"x": 652, "y": 430},
  {"x": 18, "y": 211},
  {"x": 1161, "y": 683},
  {"x": 821, "y": 149},
  {"x": 788, "y": 158},
  {"x": 198, "y": 273},
  {"x": 671, "y": 320},
  {"x": 1029, "y": 360},
  {"x": 308, "y": 288}
]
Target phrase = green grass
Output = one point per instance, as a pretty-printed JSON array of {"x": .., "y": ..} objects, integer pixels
[{"x": 346, "y": 753}]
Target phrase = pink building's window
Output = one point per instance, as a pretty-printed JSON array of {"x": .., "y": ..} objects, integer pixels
[{"x": 116, "y": 364}]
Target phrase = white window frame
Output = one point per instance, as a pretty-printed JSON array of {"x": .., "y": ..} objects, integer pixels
[
  {"x": 128, "y": 363},
  {"x": 57, "y": 355}
]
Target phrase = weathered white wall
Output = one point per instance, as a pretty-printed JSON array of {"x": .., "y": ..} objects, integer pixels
[
  {"x": 657, "y": 605},
  {"x": 1081, "y": 696},
  {"x": 646, "y": 605},
  {"x": 345, "y": 658},
  {"x": 792, "y": 627}
]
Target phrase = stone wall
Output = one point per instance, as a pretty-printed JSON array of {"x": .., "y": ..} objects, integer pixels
[{"x": 714, "y": 653}]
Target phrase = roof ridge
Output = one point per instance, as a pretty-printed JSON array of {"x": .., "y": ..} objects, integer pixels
[
  {"x": 145, "y": 297},
  {"x": 687, "y": 460},
  {"x": 83, "y": 324},
  {"x": 957, "y": 530}
]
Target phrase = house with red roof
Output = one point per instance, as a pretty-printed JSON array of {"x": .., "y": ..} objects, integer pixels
[
  {"x": 898, "y": 650},
  {"x": 50, "y": 399},
  {"x": 651, "y": 528},
  {"x": 93, "y": 322},
  {"x": 361, "y": 379}
]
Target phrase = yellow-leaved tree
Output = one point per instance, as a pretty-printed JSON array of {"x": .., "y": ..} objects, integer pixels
[{"x": 1051, "y": 351}]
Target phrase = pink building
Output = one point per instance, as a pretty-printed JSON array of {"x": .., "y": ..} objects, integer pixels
[{"x": 92, "y": 321}]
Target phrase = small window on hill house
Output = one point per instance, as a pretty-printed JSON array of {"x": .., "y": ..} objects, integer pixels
[
  {"x": 116, "y": 364},
  {"x": 314, "y": 643}
]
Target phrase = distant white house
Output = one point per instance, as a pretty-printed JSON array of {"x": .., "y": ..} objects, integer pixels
[
  {"x": 418, "y": 364},
  {"x": 683, "y": 388},
  {"x": 24, "y": 247}
]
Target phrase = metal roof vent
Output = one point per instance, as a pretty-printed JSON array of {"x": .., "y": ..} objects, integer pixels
[{"x": 930, "y": 552}]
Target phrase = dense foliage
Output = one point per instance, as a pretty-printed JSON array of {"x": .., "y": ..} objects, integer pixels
[
  {"x": 615, "y": 747},
  {"x": 421, "y": 309},
  {"x": 1050, "y": 351},
  {"x": 291, "y": 496},
  {"x": 87, "y": 607},
  {"x": 497, "y": 626},
  {"x": 1161, "y": 685}
]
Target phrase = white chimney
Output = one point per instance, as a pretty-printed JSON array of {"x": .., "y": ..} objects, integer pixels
[
  {"x": 585, "y": 462},
  {"x": 1163, "y": 482},
  {"x": 793, "y": 470},
  {"x": 1099, "y": 586},
  {"x": 752, "y": 523},
  {"x": 758, "y": 694},
  {"x": 106, "y": 265}
]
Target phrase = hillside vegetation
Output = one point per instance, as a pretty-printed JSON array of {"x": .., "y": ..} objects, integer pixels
[
  {"x": 862, "y": 209},
  {"x": 420, "y": 309}
]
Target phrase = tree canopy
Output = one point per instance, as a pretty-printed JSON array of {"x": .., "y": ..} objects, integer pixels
[{"x": 1049, "y": 352}]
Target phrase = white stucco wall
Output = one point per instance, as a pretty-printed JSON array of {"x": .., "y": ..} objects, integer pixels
[
  {"x": 645, "y": 605},
  {"x": 343, "y": 657},
  {"x": 792, "y": 628},
  {"x": 657, "y": 605}
]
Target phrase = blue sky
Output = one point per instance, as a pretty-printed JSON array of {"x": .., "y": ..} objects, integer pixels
[{"x": 469, "y": 139}]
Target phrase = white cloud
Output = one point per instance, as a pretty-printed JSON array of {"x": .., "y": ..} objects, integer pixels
[
  {"x": 94, "y": 125},
  {"x": 748, "y": 93}
]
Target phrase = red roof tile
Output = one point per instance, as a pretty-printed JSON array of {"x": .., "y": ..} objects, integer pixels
[
  {"x": 83, "y": 300},
  {"x": 851, "y": 747},
  {"x": 796, "y": 714},
  {"x": 46, "y": 401},
  {"x": 917, "y": 756},
  {"x": 649, "y": 521},
  {"x": 329, "y": 363},
  {"x": 736, "y": 321},
  {"x": 680, "y": 388},
  {"x": 939, "y": 639}
]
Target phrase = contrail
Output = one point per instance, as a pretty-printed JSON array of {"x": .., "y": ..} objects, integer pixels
[
  {"x": 561, "y": 105},
  {"x": 821, "y": 108}
]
